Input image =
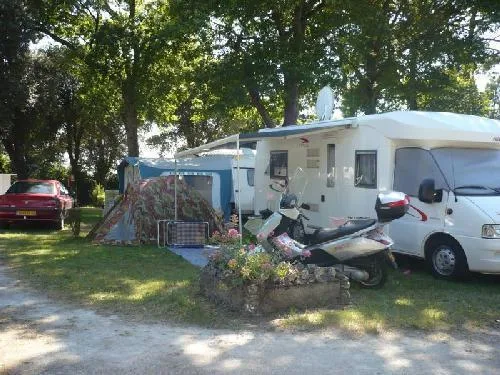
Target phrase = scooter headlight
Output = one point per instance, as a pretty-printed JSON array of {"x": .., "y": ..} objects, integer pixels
[{"x": 491, "y": 231}]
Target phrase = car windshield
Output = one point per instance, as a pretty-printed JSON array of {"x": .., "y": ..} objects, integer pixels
[
  {"x": 470, "y": 171},
  {"x": 32, "y": 187}
]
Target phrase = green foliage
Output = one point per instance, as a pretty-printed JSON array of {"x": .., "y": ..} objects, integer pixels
[
  {"x": 98, "y": 195},
  {"x": 202, "y": 70},
  {"x": 493, "y": 94},
  {"x": 457, "y": 92},
  {"x": 4, "y": 163}
]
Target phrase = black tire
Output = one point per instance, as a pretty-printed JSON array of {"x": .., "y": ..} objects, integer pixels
[
  {"x": 446, "y": 260},
  {"x": 377, "y": 272},
  {"x": 297, "y": 231}
]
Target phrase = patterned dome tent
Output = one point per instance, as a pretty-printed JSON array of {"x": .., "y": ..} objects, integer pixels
[{"x": 134, "y": 219}]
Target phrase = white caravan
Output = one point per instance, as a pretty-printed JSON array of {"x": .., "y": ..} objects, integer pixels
[{"x": 449, "y": 165}]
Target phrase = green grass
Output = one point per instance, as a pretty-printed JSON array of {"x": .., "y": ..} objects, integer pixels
[
  {"x": 413, "y": 301},
  {"x": 143, "y": 282},
  {"x": 151, "y": 284}
]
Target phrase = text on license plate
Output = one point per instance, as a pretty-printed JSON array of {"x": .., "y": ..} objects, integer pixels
[{"x": 26, "y": 213}]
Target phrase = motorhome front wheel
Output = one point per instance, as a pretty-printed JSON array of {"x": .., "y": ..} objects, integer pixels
[{"x": 447, "y": 260}]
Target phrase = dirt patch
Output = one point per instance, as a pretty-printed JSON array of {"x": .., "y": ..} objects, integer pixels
[{"x": 39, "y": 335}]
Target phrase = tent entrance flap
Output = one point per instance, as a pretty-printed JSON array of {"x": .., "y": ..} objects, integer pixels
[{"x": 207, "y": 147}]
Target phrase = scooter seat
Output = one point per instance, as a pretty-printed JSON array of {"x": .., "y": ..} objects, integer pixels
[{"x": 352, "y": 226}]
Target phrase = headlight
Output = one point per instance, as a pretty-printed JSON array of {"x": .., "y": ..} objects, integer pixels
[{"x": 491, "y": 231}]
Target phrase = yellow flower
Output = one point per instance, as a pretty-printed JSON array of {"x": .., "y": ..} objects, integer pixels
[{"x": 232, "y": 263}]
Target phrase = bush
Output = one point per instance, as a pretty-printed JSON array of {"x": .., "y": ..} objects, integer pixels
[{"x": 98, "y": 195}]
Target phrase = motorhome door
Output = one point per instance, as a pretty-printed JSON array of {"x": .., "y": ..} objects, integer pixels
[{"x": 412, "y": 166}]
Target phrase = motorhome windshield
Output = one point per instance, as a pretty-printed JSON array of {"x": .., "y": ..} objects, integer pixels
[{"x": 470, "y": 171}]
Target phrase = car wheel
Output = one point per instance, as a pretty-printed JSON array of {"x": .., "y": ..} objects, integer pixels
[{"x": 447, "y": 260}]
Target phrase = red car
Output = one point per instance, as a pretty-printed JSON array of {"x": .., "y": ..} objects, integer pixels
[{"x": 35, "y": 200}]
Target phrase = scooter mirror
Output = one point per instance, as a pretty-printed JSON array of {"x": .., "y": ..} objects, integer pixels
[{"x": 305, "y": 206}]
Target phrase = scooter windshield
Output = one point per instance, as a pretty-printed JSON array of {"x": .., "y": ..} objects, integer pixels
[{"x": 297, "y": 184}]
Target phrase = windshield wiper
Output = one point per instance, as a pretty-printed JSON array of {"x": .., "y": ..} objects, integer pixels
[{"x": 480, "y": 187}]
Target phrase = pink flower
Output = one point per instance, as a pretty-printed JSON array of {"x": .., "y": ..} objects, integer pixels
[
  {"x": 306, "y": 253},
  {"x": 251, "y": 247},
  {"x": 233, "y": 233}
]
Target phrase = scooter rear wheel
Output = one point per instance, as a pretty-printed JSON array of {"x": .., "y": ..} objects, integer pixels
[{"x": 377, "y": 272}]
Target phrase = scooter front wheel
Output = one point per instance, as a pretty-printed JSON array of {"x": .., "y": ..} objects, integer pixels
[{"x": 377, "y": 272}]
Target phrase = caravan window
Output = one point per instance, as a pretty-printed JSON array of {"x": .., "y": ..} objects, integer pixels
[
  {"x": 330, "y": 166},
  {"x": 366, "y": 169},
  {"x": 279, "y": 164}
]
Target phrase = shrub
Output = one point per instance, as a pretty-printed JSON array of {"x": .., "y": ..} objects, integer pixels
[
  {"x": 98, "y": 195},
  {"x": 248, "y": 263}
]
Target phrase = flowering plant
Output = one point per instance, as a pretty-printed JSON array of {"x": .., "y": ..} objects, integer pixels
[
  {"x": 246, "y": 263},
  {"x": 230, "y": 237}
]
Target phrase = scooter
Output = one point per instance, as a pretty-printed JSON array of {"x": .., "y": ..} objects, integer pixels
[{"x": 358, "y": 248}]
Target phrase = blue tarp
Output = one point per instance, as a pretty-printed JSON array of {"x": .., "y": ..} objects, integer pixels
[{"x": 220, "y": 164}]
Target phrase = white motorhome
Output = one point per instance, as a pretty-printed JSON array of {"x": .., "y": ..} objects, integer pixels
[{"x": 449, "y": 165}]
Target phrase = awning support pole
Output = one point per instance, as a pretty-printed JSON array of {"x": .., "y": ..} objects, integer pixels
[
  {"x": 239, "y": 188},
  {"x": 175, "y": 190}
]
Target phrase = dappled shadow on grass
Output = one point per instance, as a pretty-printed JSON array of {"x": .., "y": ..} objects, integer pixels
[
  {"x": 412, "y": 300},
  {"x": 140, "y": 281},
  {"x": 151, "y": 284}
]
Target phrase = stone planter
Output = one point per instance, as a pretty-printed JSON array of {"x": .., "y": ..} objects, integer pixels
[{"x": 312, "y": 287}]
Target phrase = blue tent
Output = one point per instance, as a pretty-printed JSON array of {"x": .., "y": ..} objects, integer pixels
[{"x": 214, "y": 164}]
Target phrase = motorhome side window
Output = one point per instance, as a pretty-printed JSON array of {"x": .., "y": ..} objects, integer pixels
[
  {"x": 366, "y": 169},
  {"x": 412, "y": 166},
  {"x": 330, "y": 166},
  {"x": 279, "y": 164}
]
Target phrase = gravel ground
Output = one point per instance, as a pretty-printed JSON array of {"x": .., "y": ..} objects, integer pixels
[{"x": 42, "y": 336}]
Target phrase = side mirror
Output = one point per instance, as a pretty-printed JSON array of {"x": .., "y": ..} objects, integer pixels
[
  {"x": 305, "y": 206},
  {"x": 427, "y": 191}
]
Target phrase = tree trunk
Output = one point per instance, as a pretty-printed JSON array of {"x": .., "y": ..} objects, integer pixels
[
  {"x": 291, "y": 101},
  {"x": 292, "y": 75},
  {"x": 129, "y": 88},
  {"x": 131, "y": 120},
  {"x": 372, "y": 75},
  {"x": 17, "y": 156},
  {"x": 411, "y": 87},
  {"x": 102, "y": 166},
  {"x": 15, "y": 145},
  {"x": 257, "y": 103}
]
